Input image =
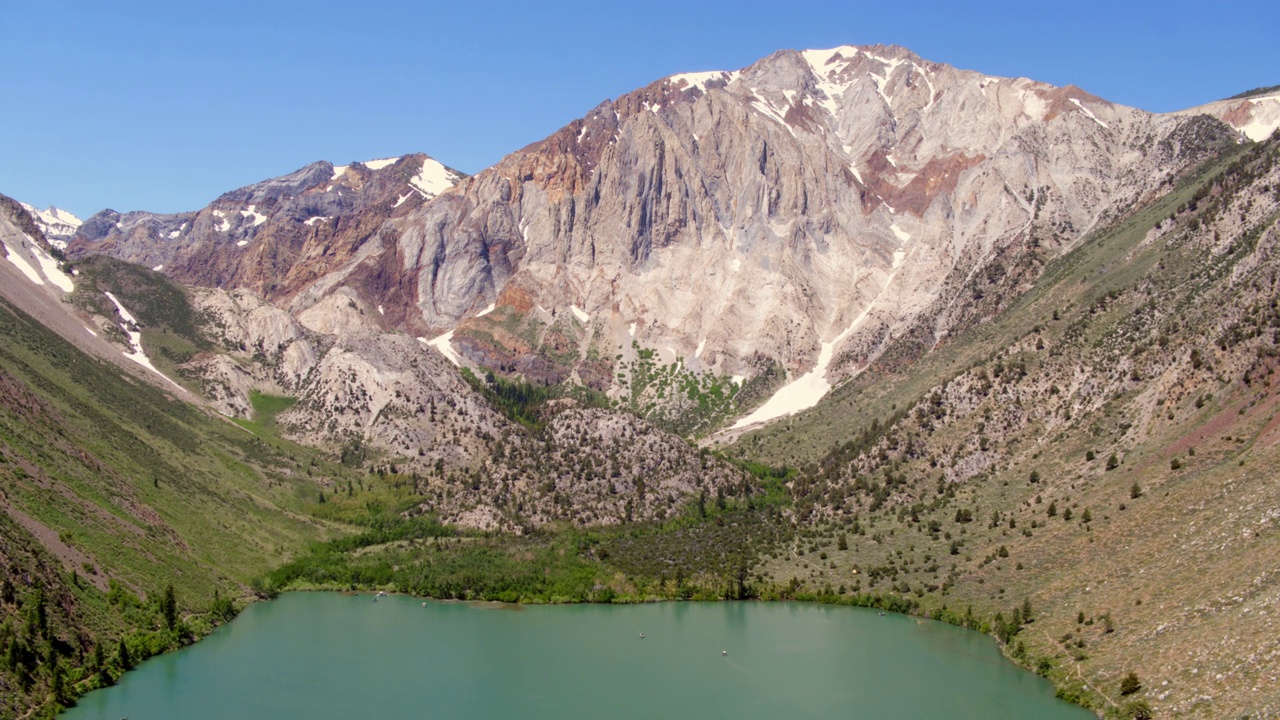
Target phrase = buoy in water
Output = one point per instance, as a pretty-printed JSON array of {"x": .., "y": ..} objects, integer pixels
[{"x": 724, "y": 653}]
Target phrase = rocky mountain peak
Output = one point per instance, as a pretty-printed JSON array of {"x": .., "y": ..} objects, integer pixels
[
  {"x": 800, "y": 213},
  {"x": 57, "y": 225}
]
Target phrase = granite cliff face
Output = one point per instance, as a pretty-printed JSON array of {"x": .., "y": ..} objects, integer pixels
[
  {"x": 792, "y": 217},
  {"x": 805, "y": 209}
]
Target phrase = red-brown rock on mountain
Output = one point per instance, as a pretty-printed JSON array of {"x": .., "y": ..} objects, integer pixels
[
  {"x": 275, "y": 237},
  {"x": 802, "y": 212}
]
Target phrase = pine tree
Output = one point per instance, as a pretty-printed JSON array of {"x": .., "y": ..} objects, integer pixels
[
  {"x": 122, "y": 655},
  {"x": 169, "y": 607}
]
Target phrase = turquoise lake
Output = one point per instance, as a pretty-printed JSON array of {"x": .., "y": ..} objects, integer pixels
[{"x": 330, "y": 655}]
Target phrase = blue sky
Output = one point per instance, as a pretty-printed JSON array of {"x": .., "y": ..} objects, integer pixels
[{"x": 163, "y": 106}]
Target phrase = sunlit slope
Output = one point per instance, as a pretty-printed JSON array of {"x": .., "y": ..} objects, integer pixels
[
  {"x": 106, "y": 480},
  {"x": 1105, "y": 447}
]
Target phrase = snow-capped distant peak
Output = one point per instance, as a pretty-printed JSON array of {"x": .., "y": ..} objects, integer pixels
[
  {"x": 57, "y": 225},
  {"x": 434, "y": 178},
  {"x": 699, "y": 80},
  {"x": 824, "y": 61},
  {"x": 379, "y": 164}
]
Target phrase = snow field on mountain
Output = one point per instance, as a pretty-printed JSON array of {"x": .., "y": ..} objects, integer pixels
[{"x": 137, "y": 354}]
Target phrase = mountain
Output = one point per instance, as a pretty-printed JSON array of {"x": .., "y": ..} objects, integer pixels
[
  {"x": 27, "y": 249},
  {"x": 275, "y": 237},
  {"x": 58, "y": 226},
  {"x": 783, "y": 220},
  {"x": 113, "y": 488},
  {"x": 1256, "y": 114},
  {"x": 1103, "y": 447},
  {"x": 844, "y": 325}
]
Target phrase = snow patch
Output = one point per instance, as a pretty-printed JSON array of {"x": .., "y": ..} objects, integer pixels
[
  {"x": 820, "y": 59},
  {"x": 401, "y": 198},
  {"x": 135, "y": 341},
  {"x": 487, "y": 310},
  {"x": 805, "y": 392},
  {"x": 631, "y": 329},
  {"x": 882, "y": 80},
  {"x": 579, "y": 313},
  {"x": 824, "y": 64},
  {"x": 48, "y": 267},
  {"x": 434, "y": 178},
  {"x": 316, "y": 218},
  {"x": 699, "y": 80},
  {"x": 54, "y": 221},
  {"x": 27, "y": 268},
  {"x": 901, "y": 234},
  {"x": 252, "y": 212},
  {"x": 702, "y": 345},
  {"x": 1264, "y": 119},
  {"x": 442, "y": 343},
  {"x": 932, "y": 92},
  {"x": 158, "y": 268},
  {"x": 381, "y": 311},
  {"x": 338, "y": 170},
  {"x": 767, "y": 109},
  {"x": 242, "y": 243},
  {"x": 52, "y": 272},
  {"x": 379, "y": 164},
  {"x": 1088, "y": 112}
]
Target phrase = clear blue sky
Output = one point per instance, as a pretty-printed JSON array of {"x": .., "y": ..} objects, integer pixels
[{"x": 165, "y": 105}]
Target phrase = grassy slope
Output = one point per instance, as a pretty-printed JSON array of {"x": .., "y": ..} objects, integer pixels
[{"x": 106, "y": 480}]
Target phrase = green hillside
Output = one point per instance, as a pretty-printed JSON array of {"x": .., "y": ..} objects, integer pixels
[{"x": 114, "y": 491}]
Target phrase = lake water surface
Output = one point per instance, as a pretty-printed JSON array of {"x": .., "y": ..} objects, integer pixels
[{"x": 329, "y": 655}]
